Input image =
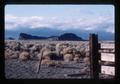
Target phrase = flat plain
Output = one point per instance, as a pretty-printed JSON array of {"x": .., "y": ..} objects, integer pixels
[{"x": 60, "y": 59}]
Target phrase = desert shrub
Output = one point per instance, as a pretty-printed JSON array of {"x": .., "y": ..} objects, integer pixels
[
  {"x": 35, "y": 48},
  {"x": 65, "y": 44},
  {"x": 48, "y": 46},
  {"x": 64, "y": 51},
  {"x": 75, "y": 46},
  {"x": 87, "y": 54},
  {"x": 47, "y": 53},
  {"x": 6, "y": 44},
  {"x": 15, "y": 55},
  {"x": 74, "y": 51},
  {"x": 54, "y": 56},
  {"x": 43, "y": 45},
  {"x": 63, "y": 47},
  {"x": 70, "y": 50},
  {"x": 13, "y": 45},
  {"x": 42, "y": 50},
  {"x": 24, "y": 48},
  {"x": 68, "y": 57},
  {"x": 58, "y": 49},
  {"x": 77, "y": 55},
  {"x": 58, "y": 64},
  {"x": 82, "y": 52},
  {"x": 47, "y": 62},
  {"x": 17, "y": 46},
  {"x": 76, "y": 59},
  {"x": 39, "y": 55},
  {"x": 10, "y": 54},
  {"x": 43, "y": 57},
  {"x": 38, "y": 47},
  {"x": 51, "y": 63},
  {"x": 52, "y": 48},
  {"x": 61, "y": 53},
  {"x": 26, "y": 45},
  {"x": 52, "y": 44},
  {"x": 32, "y": 49},
  {"x": 47, "y": 57},
  {"x": 34, "y": 55},
  {"x": 67, "y": 50},
  {"x": 87, "y": 60},
  {"x": 51, "y": 54},
  {"x": 24, "y": 56},
  {"x": 79, "y": 46},
  {"x": 30, "y": 45},
  {"x": 70, "y": 45}
]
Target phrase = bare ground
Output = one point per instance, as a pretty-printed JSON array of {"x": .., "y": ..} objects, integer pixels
[{"x": 17, "y": 69}]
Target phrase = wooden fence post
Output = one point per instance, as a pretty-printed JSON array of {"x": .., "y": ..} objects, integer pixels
[
  {"x": 99, "y": 56},
  {"x": 94, "y": 56}
]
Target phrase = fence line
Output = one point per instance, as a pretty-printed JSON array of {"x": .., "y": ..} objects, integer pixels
[{"x": 96, "y": 52}]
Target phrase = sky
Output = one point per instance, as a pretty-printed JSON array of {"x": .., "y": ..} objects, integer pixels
[{"x": 89, "y": 18}]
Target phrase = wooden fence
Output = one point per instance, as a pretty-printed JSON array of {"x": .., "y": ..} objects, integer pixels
[{"x": 98, "y": 52}]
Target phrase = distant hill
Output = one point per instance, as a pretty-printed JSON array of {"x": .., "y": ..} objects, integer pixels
[
  {"x": 24, "y": 36},
  {"x": 70, "y": 36},
  {"x": 65, "y": 36},
  {"x": 10, "y": 38},
  {"x": 102, "y": 35}
]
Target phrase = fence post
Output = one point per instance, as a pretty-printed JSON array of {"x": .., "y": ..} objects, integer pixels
[
  {"x": 99, "y": 57},
  {"x": 94, "y": 56}
]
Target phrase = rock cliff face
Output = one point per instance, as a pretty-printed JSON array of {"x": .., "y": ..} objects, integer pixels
[{"x": 65, "y": 36}]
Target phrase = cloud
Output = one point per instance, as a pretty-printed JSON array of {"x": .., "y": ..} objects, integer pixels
[
  {"x": 110, "y": 29},
  {"x": 100, "y": 23}
]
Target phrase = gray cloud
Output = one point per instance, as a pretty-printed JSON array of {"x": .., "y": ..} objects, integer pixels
[{"x": 100, "y": 23}]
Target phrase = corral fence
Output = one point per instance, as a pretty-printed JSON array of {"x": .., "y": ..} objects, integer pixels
[
  {"x": 101, "y": 55},
  {"x": 98, "y": 52}
]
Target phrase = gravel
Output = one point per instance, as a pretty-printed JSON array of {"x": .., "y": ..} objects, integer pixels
[{"x": 16, "y": 69}]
